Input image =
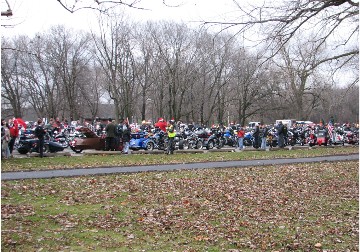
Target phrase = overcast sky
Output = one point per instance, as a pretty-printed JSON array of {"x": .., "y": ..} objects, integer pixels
[{"x": 33, "y": 16}]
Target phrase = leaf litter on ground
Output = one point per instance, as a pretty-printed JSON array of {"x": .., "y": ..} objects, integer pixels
[{"x": 270, "y": 208}]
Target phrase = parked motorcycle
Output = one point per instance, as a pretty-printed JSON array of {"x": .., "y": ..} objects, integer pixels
[
  {"x": 61, "y": 138},
  {"x": 159, "y": 139},
  {"x": 142, "y": 141},
  {"x": 291, "y": 138},
  {"x": 193, "y": 141},
  {"x": 311, "y": 138},
  {"x": 351, "y": 137},
  {"x": 216, "y": 139},
  {"x": 299, "y": 136},
  {"x": 230, "y": 138},
  {"x": 32, "y": 145},
  {"x": 337, "y": 138},
  {"x": 271, "y": 139},
  {"x": 322, "y": 138},
  {"x": 248, "y": 139}
]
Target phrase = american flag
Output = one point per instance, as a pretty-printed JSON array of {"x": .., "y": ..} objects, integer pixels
[{"x": 330, "y": 129}]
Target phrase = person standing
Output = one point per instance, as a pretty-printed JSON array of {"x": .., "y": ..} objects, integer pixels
[
  {"x": 145, "y": 127},
  {"x": 118, "y": 138},
  {"x": 126, "y": 136},
  {"x": 58, "y": 126},
  {"x": 14, "y": 133},
  {"x": 241, "y": 135},
  {"x": 110, "y": 130},
  {"x": 49, "y": 127},
  {"x": 171, "y": 136},
  {"x": 280, "y": 131},
  {"x": 40, "y": 134},
  {"x": 161, "y": 124},
  {"x": 5, "y": 138},
  {"x": 256, "y": 136},
  {"x": 265, "y": 132},
  {"x": 3, "y": 125}
]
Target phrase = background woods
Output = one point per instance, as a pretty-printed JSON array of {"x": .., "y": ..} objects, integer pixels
[{"x": 171, "y": 70}]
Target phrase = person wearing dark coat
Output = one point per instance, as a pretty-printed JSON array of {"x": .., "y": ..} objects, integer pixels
[
  {"x": 40, "y": 134},
  {"x": 110, "y": 130},
  {"x": 280, "y": 131},
  {"x": 256, "y": 136}
]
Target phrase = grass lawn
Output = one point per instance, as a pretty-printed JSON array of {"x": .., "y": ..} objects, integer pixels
[{"x": 302, "y": 207}]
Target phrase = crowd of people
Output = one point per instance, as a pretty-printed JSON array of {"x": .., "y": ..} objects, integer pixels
[{"x": 11, "y": 129}]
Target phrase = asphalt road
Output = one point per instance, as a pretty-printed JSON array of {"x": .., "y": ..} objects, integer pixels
[{"x": 167, "y": 167}]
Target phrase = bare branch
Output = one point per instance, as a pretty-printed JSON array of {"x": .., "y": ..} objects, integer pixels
[
  {"x": 101, "y": 6},
  {"x": 347, "y": 54},
  {"x": 8, "y": 12}
]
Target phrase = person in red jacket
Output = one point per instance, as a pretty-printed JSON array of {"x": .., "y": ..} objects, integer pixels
[
  {"x": 161, "y": 124},
  {"x": 240, "y": 135},
  {"x": 14, "y": 133}
]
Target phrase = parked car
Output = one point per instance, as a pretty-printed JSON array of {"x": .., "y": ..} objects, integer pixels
[{"x": 87, "y": 139}]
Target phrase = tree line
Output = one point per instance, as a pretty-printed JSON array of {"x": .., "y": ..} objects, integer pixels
[{"x": 166, "y": 69}]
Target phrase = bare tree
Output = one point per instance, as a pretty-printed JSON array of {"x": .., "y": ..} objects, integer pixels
[
  {"x": 92, "y": 80},
  {"x": 69, "y": 55},
  {"x": 174, "y": 46},
  {"x": 249, "y": 86},
  {"x": 145, "y": 66},
  {"x": 13, "y": 91},
  {"x": 115, "y": 56},
  {"x": 43, "y": 90},
  {"x": 298, "y": 64}
]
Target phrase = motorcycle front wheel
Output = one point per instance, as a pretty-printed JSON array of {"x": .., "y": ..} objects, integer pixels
[
  {"x": 23, "y": 149},
  {"x": 76, "y": 150},
  {"x": 199, "y": 145},
  {"x": 46, "y": 148},
  {"x": 65, "y": 144},
  {"x": 181, "y": 144},
  {"x": 150, "y": 146},
  {"x": 210, "y": 145}
]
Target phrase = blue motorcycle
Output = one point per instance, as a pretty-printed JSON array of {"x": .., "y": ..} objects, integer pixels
[
  {"x": 141, "y": 141},
  {"x": 248, "y": 139},
  {"x": 230, "y": 138}
]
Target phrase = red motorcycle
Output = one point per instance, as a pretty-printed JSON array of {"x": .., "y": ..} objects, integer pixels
[
  {"x": 322, "y": 138},
  {"x": 311, "y": 138}
]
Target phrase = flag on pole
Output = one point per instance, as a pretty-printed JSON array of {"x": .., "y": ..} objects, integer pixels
[
  {"x": 330, "y": 129},
  {"x": 21, "y": 122}
]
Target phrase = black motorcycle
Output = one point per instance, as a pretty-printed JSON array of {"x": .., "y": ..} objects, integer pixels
[
  {"x": 193, "y": 141},
  {"x": 61, "y": 138},
  {"x": 32, "y": 145},
  {"x": 159, "y": 138},
  {"x": 189, "y": 140},
  {"x": 215, "y": 140}
]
